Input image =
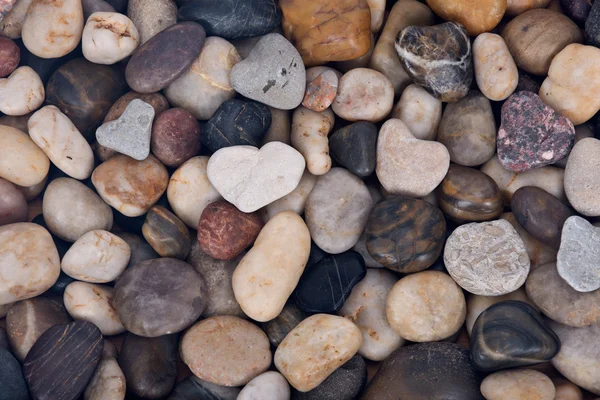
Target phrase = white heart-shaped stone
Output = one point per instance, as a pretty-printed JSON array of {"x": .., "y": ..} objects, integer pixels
[{"x": 250, "y": 178}]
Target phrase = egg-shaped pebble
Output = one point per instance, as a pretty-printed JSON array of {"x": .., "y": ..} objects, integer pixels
[
  {"x": 108, "y": 37},
  {"x": 22, "y": 92},
  {"x": 420, "y": 111},
  {"x": 495, "y": 70},
  {"x": 522, "y": 384},
  {"x": 22, "y": 162},
  {"x": 93, "y": 303},
  {"x": 270, "y": 385}
]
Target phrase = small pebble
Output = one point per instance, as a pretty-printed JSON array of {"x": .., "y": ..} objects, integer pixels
[
  {"x": 309, "y": 136},
  {"x": 166, "y": 233},
  {"x": 270, "y": 385},
  {"x": 495, "y": 70},
  {"x": 13, "y": 205},
  {"x": 524, "y": 384},
  {"x": 108, "y": 382},
  {"x": 581, "y": 180},
  {"x": 151, "y": 17},
  {"x": 108, "y": 37},
  {"x": 93, "y": 303},
  {"x": 578, "y": 254},
  {"x": 21, "y": 92},
  {"x": 355, "y": 147},
  {"x": 175, "y": 137},
  {"x": 420, "y": 111},
  {"x": 321, "y": 88}
]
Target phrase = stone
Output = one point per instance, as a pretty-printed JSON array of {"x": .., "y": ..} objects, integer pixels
[
  {"x": 539, "y": 253},
  {"x": 175, "y": 137},
  {"x": 28, "y": 319},
  {"x": 407, "y": 165},
  {"x": 511, "y": 334},
  {"x": 420, "y": 111},
  {"x": 477, "y": 304},
  {"x": 324, "y": 31},
  {"x": 310, "y": 130},
  {"x": 93, "y": 303},
  {"x": 140, "y": 249},
  {"x": 516, "y": 7},
  {"x": 130, "y": 186},
  {"x": 71, "y": 209},
  {"x": 164, "y": 58},
  {"x": 166, "y": 233},
  {"x": 149, "y": 365},
  {"x": 355, "y": 147},
  {"x": 108, "y": 37},
  {"x": 226, "y": 350},
  {"x": 592, "y": 25},
  {"x": 487, "y": 258},
  {"x": 13, "y": 205},
  {"x": 279, "y": 327},
  {"x": 321, "y": 88},
  {"x": 315, "y": 348},
  {"x": 269, "y": 385},
  {"x": 108, "y": 382},
  {"x": 203, "y": 87},
  {"x": 62, "y": 361},
  {"x": 151, "y": 16},
  {"x": 98, "y": 257},
  {"x": 32, "y": 192},
  {"x": 405, "y": 235},
  {"x": 468, "y": 130},
  {"x": 147, "y": 302},
  {"x": 296, "y": 200},
  {"x": 10, "y": 55},
  {"x": 563, "y": 90},
  {"x": 60, "y": 285},
  {"x": 280, "y": 128},
  {"x": 482, "y": 18},
  {"x": 495, "y": 70},
  {"x": 578, "y": 254},
  {"x": 266, "y": 276},
  {"x": 192, "y": 388},
  {"x": 273, "y": 73},
  {"x": 426, "y": 371},
  {"x": 156, "y": 100},
  {"x": 536, "y": 36},
  {"x": 53, "y": 29},
  {"x": 224, "y": 232},
  {"x": 438, "y": 58},
  {"x": 93, "y": 6},
  {"x": 23, "y": 162},
  {"x": 581, "y": 181},
  {"x": 237, "y": 123},
  {"x": 12, "y": 22},
  {"x": 189, "y": 191},
  {"x": 85, "y": 92},
  {"x": 12, "y": 381},
  {"x": 22, "y": 92},
  {"x": 566, "y": 390},
  {"x": 581, "y": 132},
  {"x": 250, "y": 178},
  {"x": 467, "y": 194},
  {"x": 526, "y": 384},
  {"x": 337, "y": 210}
]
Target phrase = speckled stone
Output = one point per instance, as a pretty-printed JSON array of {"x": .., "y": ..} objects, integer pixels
[
  {"x": 355, "y": 147},
  {"x": 175, "y": 137},
  {"x": 592, "y": 25},
  {"x": 577, "y": 259},
  {"x": 149, "y": 16},
  {"x": 279, "y": 327},
  {"x": 166, "y": 233},
  {"x": 320, "y": 89}
]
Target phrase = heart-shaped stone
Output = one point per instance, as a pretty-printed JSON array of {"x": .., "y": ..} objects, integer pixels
[
  {"x": 250, "y": 178},
  {"x": 407, "y": 165},
  {"x": 130, "y": 134},
  {"x": 578, "y": 259}
]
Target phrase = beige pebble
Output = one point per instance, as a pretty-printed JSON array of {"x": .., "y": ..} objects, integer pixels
[
  {"x": 516, "y": 7},
  {"x": 321, "y": 88},
  {"x": 377, "y": 8},
  {"x": 296, "y": 200},
  {"x": 93, "y": 303},
  {"x": 151, "y": 16},
  {"x": 280, "y": 128},
  {"x": 22, "y": 92},
  {"x": 22, "y": 162},
  {"x": 12, "y": 23},
  {"x": 108, "y": 37},
  {"x": 107, "y": 383},
  {"x": 538, "y": 252},
  {"x": 521, "y": 384},
  {"x": 495, "y": 70},
  {"x": 310, "y": 130},
  {"x": 477, "y": 304},
  {"x": 582, "y": 182},
  {"x": 420, "y": 111}
]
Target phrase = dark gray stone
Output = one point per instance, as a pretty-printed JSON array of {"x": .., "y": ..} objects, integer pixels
[
  {"x": 194, "y": 388},
  {"x": 355, "y": 147},
  {"x": 12, "y": 382},
  {"x": 278, "y": 328},
  {"x": 140, "y": 249},
  {"x": 592, "y": 25}
]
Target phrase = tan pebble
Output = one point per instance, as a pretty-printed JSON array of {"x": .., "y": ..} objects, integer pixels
[
  {"x": 321, "y": 90},
  {"x": 522, "y": 384},
  {"x": 22, "y": 92},
  {"x": 22, "y": 162},
  {"x": 93, "y": 303},
  {"x": 109, "y": 37},
  {"x": 420, "y": 111},
  {"x": 310, "y": 131},
  {"x": 495, "y": 70}
]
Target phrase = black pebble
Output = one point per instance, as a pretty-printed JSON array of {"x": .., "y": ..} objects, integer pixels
[
  {"x": 592, "y": 25},
  {"x": 355, "y": 147},
  {"x": 12, "y": 382}
]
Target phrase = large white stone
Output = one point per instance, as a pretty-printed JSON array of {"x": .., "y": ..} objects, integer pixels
[
  {"x": 270, "y": 385},
  {"x": 108, "y": 37},
  {"x": 88, "y": 302},
  {"x": 22, "y": 92}
]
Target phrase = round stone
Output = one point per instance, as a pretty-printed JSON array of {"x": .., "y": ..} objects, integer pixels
[
  {"x": 582, "y": 181},
  {"x": 93, "y": 303},
  {"x": 270, "y": 385},
  {"x": 476, "y": 20},
  {"x": 420, "y": 111},
  {"x": 518, "y": 384},
  {"x": 175, "y": 137},
  {"x": 578, "y": 254},
  {"x": 23, "y": 162},
  {"x": 355, "y": 147},
  {"x": 13, "y": 205},
  {"x": 108, "y": 37},
  {"x": 10, "y": 54},
  {"x": 167, "y": 235}
]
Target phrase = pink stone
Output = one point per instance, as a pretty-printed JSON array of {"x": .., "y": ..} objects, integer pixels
[{"x": 321, "y": 91}]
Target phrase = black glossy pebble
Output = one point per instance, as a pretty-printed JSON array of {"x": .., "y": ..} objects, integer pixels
[{"x": 355, "y": 147}]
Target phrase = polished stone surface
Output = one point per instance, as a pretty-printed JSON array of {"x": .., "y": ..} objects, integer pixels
[{"x": 355, "y": 147}]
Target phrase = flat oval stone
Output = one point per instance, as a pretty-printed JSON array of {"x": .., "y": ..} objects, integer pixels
[
  {"x": 578, "y": 254},
  {"x": 495, "y": 70},
  {"x": 108, "y": 382},
  {"x": 13, "y": 205},
  {"x": 165, "y": 57},
  {"x": 270, "y": 385},
  {"x": 88, "y": 302},
  {"x": 108, "y": 37},
  {"x": 62, "y": 361},
  {"x": 167, "y": 235},
  {"x": 158, "y": 297},
  {"x": 279, "y": 327},
  {"x": 325, "y": 285},
  {"x": 12, "y": 381},
  {"x": 10, "y": 55},
  {"x": 23, "y": 162},
  {"x": 511, "y": 334},
  {"x": 467, "y": 194},
  {"x": 175, "y": 137},
  {"x": 404, "y": 234},
  {"x": 315, "y": 348},
  {"x": 426, "y": 371},
  {"x": 518, "y": 384},
  {"x": 224, "y": 232},
  {"x": 193, "y": 388},
  {"x": 226, "y": 350},
  {"x": 22, "y": 92},
  {"x": 581, "y": 181},
  {"x": 337, "y": 209},
  {"x": 149, "y": 16},
  {"x": 420, "y": 111},
  {"x": 355, "y": 147}
]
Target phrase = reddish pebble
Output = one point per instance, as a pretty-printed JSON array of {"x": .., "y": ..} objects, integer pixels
[
  {"x": 10, "y": 55},
  {"x": 13, "y": 206},
  {"x": 224, "y": 231},
  {"x": 321, "y": 91},
  {"x": 175, "y": 137}
]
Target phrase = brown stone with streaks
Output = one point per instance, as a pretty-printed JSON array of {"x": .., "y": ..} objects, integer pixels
[
  {"x": 167, "y": 235},
  {"x": 175, "y": 137},
  {"x": 224, "y": 231}
]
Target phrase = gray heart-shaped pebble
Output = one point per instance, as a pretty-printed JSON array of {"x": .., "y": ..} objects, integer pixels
[{"x": 578, "y": 259}]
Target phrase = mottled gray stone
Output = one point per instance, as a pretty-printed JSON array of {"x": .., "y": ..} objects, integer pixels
[{"x": 579, "y": 254}]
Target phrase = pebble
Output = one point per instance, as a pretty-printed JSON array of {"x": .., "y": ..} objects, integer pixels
[
  {"x": 321, "y": 88},
  {"x": 325, "y": 30},
  {"x": 159, "y": 297},
  {"x": 279, "y": 327},
  {"x": 10, "y": 55},
  {"x": 237, "y": 123},
  {"x": 578, "y": 254},
  {"x": 269, "y": 385},
  {"x": 420, "y": 111},
  {"x": 108, "y": 37},
  {"x": 156, "y": 100},
  {"x": 447, "y": 72},
  {"x": 164, "y": 58},
  {"x": 487, "y": 258},
  {"x": 592, "y": 25},
  {"x": 130, "y": 186},
  {"x": 108, "y": 382},
  {"x": 13, "y": 205},
  {"x": 97, "y": 256},
  {"x": 581, "y": 180},
  {"x": 22, "y": 92},
  {"x": 525, "y": 384},
  {"x": 193, "y": 388},
  {"x": 309, "y": 137},
  {"x": 296, "y": 200},
  {"x": 482, "y": 18},
  {"x": 250, "y": 178},
  {"x": 93, "y": 303},
  {"x": 405, "y": 235},
  {"x": 53, "y": 29},
  {"x": 566, "y": 390},
  {"x": 152, "y": 17},
  {"x": 273, "y": 73},
  {"x": 24, "y": 163},
  {"x": 511, "y": 334},
  {"x": 11, "y": 23},
  {"x": 539, "y": 253},
  {"x": 189, "y": 191},
  {"x": 28, "y": 319},
  {"x": 175, "y": 137},
  {"x": 426, "y": 371},
  {"x": 203, "y": 87},
  {"x": 166, "y": 233},
  {"x": 140, "y": 249},
  {"x": 62, "y": 361},
  {"x": 226, "y": 350},
  {"x": 532, "y": 134},
  {"x": 149, "y": 365},
  {"x": 130, "y": 133},
  {"x": 315, "y": 348},
  {"x": 355, "y": 147},
  {"x": 495, "y": 70},
  {"x": 516, "y": 7},
  {"x": 477, "y": 304},
  {"x": 12, "y": 381}
]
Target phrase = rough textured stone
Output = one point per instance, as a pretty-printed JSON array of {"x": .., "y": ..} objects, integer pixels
[
  {"x": 23, "y": 162},
  {"x": 270, "y": 385},
  {"x": 22, "y": 92},
  {"x": 108, "y": 37},
  {"x": 175, "y": 137},
  {"x": 420, "y": 111},
  {"x": 93, "y": 303},
  {"x": 592, "y": 25},
  {"x": 321, "y": 88},
  {"x": 11, "y": 378},
  {"x": 477, "y": 18},
  {"x": 10, "y": 54},
  {"x": 582, "y": 181},
  {"x": 355, "y": 147},
  {"x": 577, "y": 260},
  {"x": 518, "y": 384},
  {"x": 108, "y": 382},
  {"x": 13, "y": 205},
  {"x": 149, "y": 16},
  {"x": 166, "y": 233},
  {"x": 194, "y": 388}
]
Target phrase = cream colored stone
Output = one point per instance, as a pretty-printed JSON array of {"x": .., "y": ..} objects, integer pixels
[
  {"x": 151, "y": 16},
  {"x": 12, "y": 23},
  {"x": 108, "y": 382},
  {"x": 22, "y": 92},
  {"x": 315, "y": 348},
  {"x": 271, "y": 385},
  {"x": 93, "y": 303},
  {"x": 538, "y": 252},
  {"x": 377, "y": 8},
  {"x": 296, "y": 200},
  {"x": 280, "y": 128},
  {"x": 477, "y": 304},
  {"x": 29, "y": 263},
  {"x": 420, "y": 111},
  {"x": 64, "y": 145},
  {"x": 205, "y": 86},
  {"x": 97, "y": 256},
  {"x": 521, "y": 384},
  {"x": 109, "y": 37},
  {"x": 495, "y": 70},
  {"x": 22, "y": 162},
  {"x": 267, "y": 275},
  {"x": 310, "y": 130},
  {"x": 53, "y": 29}
]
